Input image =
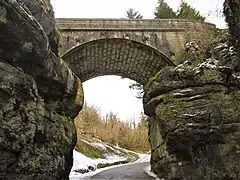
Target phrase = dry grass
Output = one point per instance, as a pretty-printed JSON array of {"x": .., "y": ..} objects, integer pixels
[{"x": 111, "y": 129}]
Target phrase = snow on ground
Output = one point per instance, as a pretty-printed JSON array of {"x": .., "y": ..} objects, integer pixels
[
  {"x": 142, "y": 157},
  {"x": 150, "y": 173},
  {"x": 80, "y": 161}
]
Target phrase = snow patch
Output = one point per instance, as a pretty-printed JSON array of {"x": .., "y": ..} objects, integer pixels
[
  {"x": 178, "y": 94},
  {"x": 235, "y": 76},
  {"x": 100, "y": 145},
  {"x": 209, "y": 63},
  {"x": 186, "y": 90},
  {"x": 150, "y": 173},
  {"x": 197, "y": 113},
  {"x": 80, "y": 161}
]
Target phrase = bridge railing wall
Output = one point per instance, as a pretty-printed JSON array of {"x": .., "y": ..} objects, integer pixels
[
  {"x": 124, "y": 24},
  {"x": 167, "y": 35}
]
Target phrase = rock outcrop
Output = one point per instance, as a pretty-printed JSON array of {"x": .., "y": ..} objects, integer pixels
[
  {"x": 195, "y": 122},
  {"x": 194, "y": 110},
  {"x": 39, "y": 95},
  {"x": 232, "y": 16}
]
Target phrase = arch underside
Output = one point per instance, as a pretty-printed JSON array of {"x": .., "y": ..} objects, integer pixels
[{"x": 116, "y": 56}]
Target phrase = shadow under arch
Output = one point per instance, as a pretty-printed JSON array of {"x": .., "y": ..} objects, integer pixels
[{"x": 116, "y": 56}]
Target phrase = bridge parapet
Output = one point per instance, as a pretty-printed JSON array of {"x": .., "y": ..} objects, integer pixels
[
  {"x": 111, "y": 24},
  {"x": 168, "y": 36}
]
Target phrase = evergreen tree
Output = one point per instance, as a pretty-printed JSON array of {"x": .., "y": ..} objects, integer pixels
[
  {"x": 138, "y": 87},
  {"x": 187, "y": 12},
  {"x": 131, "y": 14},
  {"x": 163, "y": 11}
]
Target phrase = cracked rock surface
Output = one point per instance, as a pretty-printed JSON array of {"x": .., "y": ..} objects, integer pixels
[
  {"x": 39, "y": 95},
  {"x": 194, "y": 110},
  {"x": 194, "y": 124},
  {"x": 194, "y": 127}
]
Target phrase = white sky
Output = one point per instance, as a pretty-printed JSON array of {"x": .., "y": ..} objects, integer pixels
[{"x": 112, "y": 92}]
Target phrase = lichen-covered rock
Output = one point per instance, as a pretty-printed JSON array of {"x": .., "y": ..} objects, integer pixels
[
  {"x": 39, "y": 95},
  {"x": 35, "y": 142},
  {"x": 194, "y": 109},
  {"x": 25, "y": 44},
  {"x": 222, "y": 50},
  {"x": 195, "y": 122},
  {"x": 232, "y": 16},
  {"x": 219, "y": 49},
  {"x": 43, "y": 12}
]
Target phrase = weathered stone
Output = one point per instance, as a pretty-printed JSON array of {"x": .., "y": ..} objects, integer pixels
[
  {"x": 30, "y": 51},
  {"x": 168, "y": 36},
  {"x": 195, "y": 121},
  {"x": 35, "y": 142},
  {"x": 39, "y": 96},
  {"x": 43, "y": 12},
  {"x": 195, "y": 112},
  {"x": 194, "y": 108},
  {"x": 121, "y": 57},
  {"x": 135, "y": 49},
  {"x": 232, "y": 14}
]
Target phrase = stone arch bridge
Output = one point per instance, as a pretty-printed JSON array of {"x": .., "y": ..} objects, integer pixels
[{"x": 135, "y": 49}]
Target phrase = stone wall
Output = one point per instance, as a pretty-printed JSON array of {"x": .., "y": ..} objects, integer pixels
[
  {"x": 39, "y": 95},
  {"x": 166, "y": 35},
  {"x": 135, "y": 49},
  {"x": 123, "y": 57}
]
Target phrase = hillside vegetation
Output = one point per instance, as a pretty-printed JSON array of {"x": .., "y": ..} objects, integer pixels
[{"x": 111, "y": 129}]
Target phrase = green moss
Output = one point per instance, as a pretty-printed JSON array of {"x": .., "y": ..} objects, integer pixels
[
  {"x": 88, "y": 150},
  {"x": 136, "y": 156},
  {"x": 131, "y": 156},
  {"x": 64, "y": 67},
  {"x": 154, "y": 79},
  {"x": 225, "y": 148},
  {"x": 65, "y": 124},
  {"x": 110, "y": 150},
  {"x": 67, "y": 128},
  {"x": 237, "y": 134}
]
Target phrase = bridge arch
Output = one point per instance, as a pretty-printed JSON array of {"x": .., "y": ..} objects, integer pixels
[
  {"x": 167, "y": 35},
  {"x": 116, "y": 56}
]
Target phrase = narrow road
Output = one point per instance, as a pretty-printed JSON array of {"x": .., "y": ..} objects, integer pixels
[{"x": 131, "y": 171}]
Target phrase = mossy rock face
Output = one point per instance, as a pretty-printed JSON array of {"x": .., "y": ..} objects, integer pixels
[
  {"x": 43, "y": 12},
  {"x": 29, "y": 46},
  {"x": 39, "y": 95},
  {"x": 36, "y": 142},
  {"x": 194, "y": 110},
  {"x": 195, "y": 121},
  {"x": 232, "y": 16}
]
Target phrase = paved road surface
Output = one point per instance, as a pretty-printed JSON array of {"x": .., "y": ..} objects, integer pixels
[{"x": 131, "y": 171}]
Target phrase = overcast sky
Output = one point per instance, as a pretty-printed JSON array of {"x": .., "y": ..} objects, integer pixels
[{"x": 112, "y": 92}]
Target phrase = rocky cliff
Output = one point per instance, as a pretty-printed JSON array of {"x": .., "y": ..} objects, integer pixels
[
  {"x": 194, "y": 110},
  {"x": 232, "y": 14},
  {"x": 39, "y": 95}
]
